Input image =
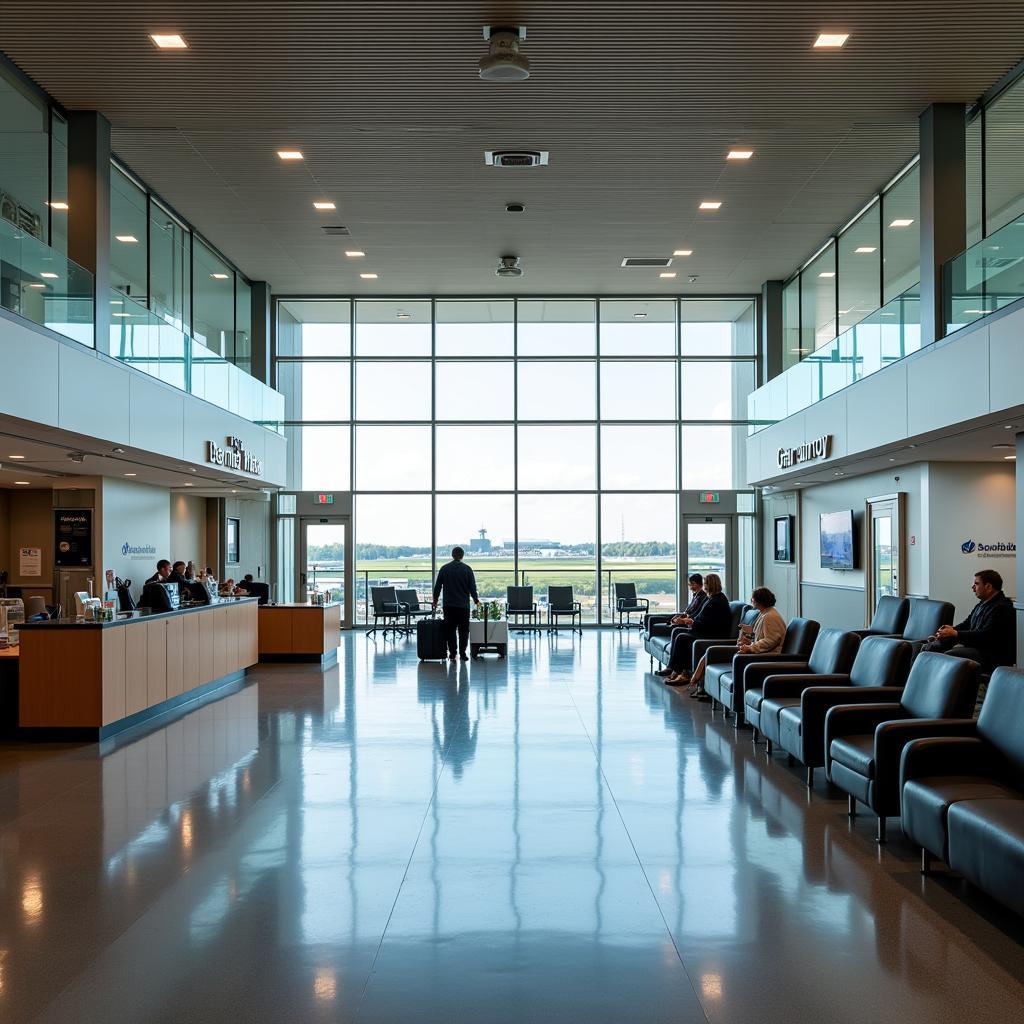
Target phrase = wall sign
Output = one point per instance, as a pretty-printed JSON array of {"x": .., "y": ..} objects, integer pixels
[
  {"x": 234, "y": 455},
  {"x": 30, "y": 561},
  {"x": 72, "y": 536},
  {"x": 1000, "y": 549},
  {"x": 818, "y": 448},
  {"x": 709, "y": 498},
  {"x": 143, "y": 551},
  {"x": 325, "y": 499}
]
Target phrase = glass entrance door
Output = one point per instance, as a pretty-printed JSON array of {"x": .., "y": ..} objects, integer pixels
[
  {"x": 885, "y": 550},
  {"x": 323, "y": 562},
  {"x": 708, "y": 547}
]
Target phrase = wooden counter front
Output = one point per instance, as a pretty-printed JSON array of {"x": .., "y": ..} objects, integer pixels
[
  {"x": 106, "y": 676},
  {"x": 300, "y": 632}
]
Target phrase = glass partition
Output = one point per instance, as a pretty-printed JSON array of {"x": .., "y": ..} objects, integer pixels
[
  {"x": 1004, "y": 158},
  {"x": 901, "y": 235},
  {"x": 859, "y": 267},
  {"x": 818, "y": 314},
  {"x": 213, "y": 299},
  {"x": 24, "y": 159},
  {"x": 988, "y": 276},
  {"x": 170, "y": 267},
  {"x": 128, "y": 236}
]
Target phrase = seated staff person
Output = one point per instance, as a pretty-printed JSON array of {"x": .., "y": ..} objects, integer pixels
[
  {"x": 766, "y": 636},
  {"x": 163, "y": 572},
  {"x": 710, "y": 622},
  {"x": 989, "y": 634},
  {"x": 697, "y": 598}
]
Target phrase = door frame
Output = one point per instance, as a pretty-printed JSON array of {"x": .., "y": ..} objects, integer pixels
[
  {"x": 348, "y": 605},
  {"x": 730, "y": 521},
  {"x": 895, "y": 504}
]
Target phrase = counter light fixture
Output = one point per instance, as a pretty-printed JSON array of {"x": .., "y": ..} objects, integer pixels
[
  {"x": 901, "y": 222},
  {"x": 324, "y": 206},
  {"x": 682, "y": 252},
  {"x": 354, "y": 253},
  {"x": 47, "y": 273},
  {"x": 23, "y": 483},
  {"x": 831, "y": 40},
  {"x": 289, "y": 154},
  {"x": 170, "y": 41},
  {"x": 863, "y": 249},
  {"x": 220, "y": 277},
  {"x": 739, "y": 154},
  {"x": 368, "y": 277},
  {"x": 667, "y": 273},
  {"x": 709, "y": 204},
  {"x": 58, "y": 205},
  {"x": 126, "y": 238}
]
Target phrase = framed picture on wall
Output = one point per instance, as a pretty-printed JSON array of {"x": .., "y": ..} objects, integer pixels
[
  {"x": 783, "y": 538},
  {"x": 231, "y": 553}
]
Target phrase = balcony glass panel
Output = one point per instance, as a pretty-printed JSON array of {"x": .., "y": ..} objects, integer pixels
[
  {"x": 1004, "y": 158},
  {"x": 818, "y": 300},
  {"x": 984, "y": 278},
  {"x": 901, "y": 235},
  {"x": 129, "y": 236},
  {"x": 860, "y": 263}
]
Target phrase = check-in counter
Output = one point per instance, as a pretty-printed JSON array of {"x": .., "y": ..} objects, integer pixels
[
  {"x": 96, "y": 678},
  {"x": 300, "y": 632}
]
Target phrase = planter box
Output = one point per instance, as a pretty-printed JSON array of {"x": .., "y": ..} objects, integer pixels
[{"x": 495, "y": 641}]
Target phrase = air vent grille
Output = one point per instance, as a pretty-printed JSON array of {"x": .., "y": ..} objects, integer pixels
[
  {"x": 646, "y": 261},
  {"x": 516, "y": 158},
  {"x": 335, "y": 229}
]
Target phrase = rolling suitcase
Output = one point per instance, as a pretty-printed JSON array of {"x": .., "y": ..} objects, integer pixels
[{"x": 430, "y": 642}]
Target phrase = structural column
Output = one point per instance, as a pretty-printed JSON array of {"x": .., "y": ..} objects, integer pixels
[
  {"x": 943, "y": 206},
  {"x": 772, "y": 362},
  {"x": 89, "y": 209},
  {"x": 260, "y": 340}
]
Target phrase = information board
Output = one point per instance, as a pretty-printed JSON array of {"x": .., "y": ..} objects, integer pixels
[{"x": 72, "y": 536}]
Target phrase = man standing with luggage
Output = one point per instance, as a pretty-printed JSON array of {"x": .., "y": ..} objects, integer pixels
[{"x": 457, "y": 581}]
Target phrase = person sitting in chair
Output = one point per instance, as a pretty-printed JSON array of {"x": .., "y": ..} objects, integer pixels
[
  {"x": 989, "y": 634},
  {"x": 712, "y": 620}
]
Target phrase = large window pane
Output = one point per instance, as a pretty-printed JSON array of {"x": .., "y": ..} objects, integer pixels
[
  {"x": 474, "y": 327},
  {"x": 557, "y": 327},
  {"x": 475, "y": 391},
  {"x": 634, "y": 328},
  {"x": 58, "y": 180},
  {"x": 557, "y": 391},
  {"x": 241, "y": 354},
  {"x": 557, "y": 458},
  {"x": 973, "y": 175},
  {"x": 128, "y": 234},
  {"x": 213, "y": 321},
  {"x": 638, "y": 458},
  {"x": 393, "y": 391},
  {"x": 319, "y": 458},
  {"x": 170, "y": 266},
  {"x": 716, "y": 391},
  {"x": 387, "y": 327},
  {"x": 713, "y": 457},
  {"x": 901, "y": 236},
  {"x": 638, "y": 546},
  {"x": 315, "y": 391},
  {"x": 314, "y": 327},
  {"x": 860, "y": 261},
  {"x": 1004, "y": 158},
  {"x": 393, "y": 458},
  {"x": 818, "y": 299},
  {"x": 638, "y": 391},
  {"x": 717, "y": 327},
  {"x": 792, "y": 349},
  {"x": 557, "y": 534},
  {"x": 24, "y": 141},
  {"x": 475, "y": 458},
  {"x": 484, "y": 525}
]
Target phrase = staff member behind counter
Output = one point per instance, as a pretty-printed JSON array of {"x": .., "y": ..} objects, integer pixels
[{"x": 168, "y": 573}]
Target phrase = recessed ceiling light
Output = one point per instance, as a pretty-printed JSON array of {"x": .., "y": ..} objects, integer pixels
[
  {"x": 831, "y": 40},
  {"x": 126, "y": 238},
  {"x": 368, "y": 277},
  {"x": 739, "y": 154},
  {"x": 1008, "y": 426},
  {"x": 190, "y": 484},
  {"x": 47, "y": 273},
  {"x": 324, "y": 206},
  {"x": 839, "y": 473},
  {"x": 289, "y": 154},
  {"x": 901, "y": 222},
  {"x": 980, "y": 312},
  {"x": 405, "y": 316},
  {"x": 667, "y": 273},
  {"x": 131, "y": 474},
  {"x": 682, "y": 252},
  {"x": 892, "y": 458},
  {"x": 233, "y": 491},
  {"x": 117, "y": 451},
  {"x": 354, "y": 252},
  {"x": 23, "y": 483},
  {"x": 120, "y": 314},
  {"x": 169, "y": 42},
  {"x": 911, "y": 445},
  {"x": 117, "y": 302},
  {"x": 709, "y": 204},
  {"x": 191, "y": 469},
  {"x": 22, "y": 456},
  {"x": 865, "y": 248},
  {"x": 639, "y": 316},
  {"x": 37, "y": 286},
  {"x": 58, "y": 205},
  {"x": 827, "y": 273},
  {"x": 994, "y": 446},
  {"x": 1010, "y": 458},
  {"x": 220, "y": 277}
]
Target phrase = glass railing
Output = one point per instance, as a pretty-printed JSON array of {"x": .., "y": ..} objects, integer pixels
[
  {"x": 44, "y": 286},
  {"x": 883, "y": 337},
  {"x": 986, "y": 277},
  {"x": 144, "y": 340}
]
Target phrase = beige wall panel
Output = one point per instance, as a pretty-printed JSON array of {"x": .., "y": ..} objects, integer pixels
[
  {"x": 156, "y": 654},
  {"x": 136, "y": 668},
  {"x": 175, "y": 654},
  {"x": 190, "y": 650},
  {"x": 114, "y": 641}
]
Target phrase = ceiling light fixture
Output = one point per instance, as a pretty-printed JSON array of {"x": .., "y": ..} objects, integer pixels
[
  {"x": 831, "y": 40},
  {"x": 827, "y": 273},
  {"x": 667, "y": 273},
  {"x": 22, "y": 456},
  {"x": 980, "y": 312},
  {"x": 131, "y": 474},
  {"x": 682, "y": 252},
  {"x": 190, "y": 484},
  {"x": 901, "y": 222},
  {"x": 504, "y": 62},
  {"x": 865, "y": 248},
  {"x": 324, "y": 206},
  {"x": 47, "y": 273},
  {"x": 289, "y": 154},
  {"x": 58, "y": 205},
  {"x": 709, "y": 204},
  {"x": 37, "y": 286},
  {"x": 117, "y": 451},
  {"x": 354, "y": 252},
  {"x": 120, "y": 314},
  {"x": 994, "y": 446},
  {"x": 220, "y": 277},
  {"x": 22, "y": 483},
  {"x": 368, "y": 277},
  {"x": 404, "y": 316},
  {"x": 1010, "y": 458},
  {"x": 171, "y": 41},
  {"x": 639, "y": 316},
  {"x": 126, "y": 238},
  {"x": 739, "y": 154}
]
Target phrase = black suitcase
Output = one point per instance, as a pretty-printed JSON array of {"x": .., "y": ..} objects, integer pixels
[{"x": 430, "y": 640}]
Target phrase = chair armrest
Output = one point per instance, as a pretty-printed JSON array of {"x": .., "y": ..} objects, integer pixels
[
  {"x": 719, "y": 655},
  {"x": 577, "y": 606},
  {"x": 619, "y": 602},
  {"x": 966, "y": 754},
  {"x": 676, "y": 630},
  {"x": 856, "y": 720},
  {"x": 757, "y": 674},
  {"x": 892, "y": 737},
  {"x": 645, "y": 601},
  {"x": 793, "y": 684},
  {"x": 741, "y": 662},
  {"x": 654, "y": 618},
  {"x": 817, "y": 701}
]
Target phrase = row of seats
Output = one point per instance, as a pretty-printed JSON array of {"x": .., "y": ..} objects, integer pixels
[{"x": 892, "y": 726}]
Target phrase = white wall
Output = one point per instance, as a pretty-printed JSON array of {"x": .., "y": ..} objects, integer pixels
[
  {"x": 781, "y": 578},
  {"x": 137, "y": 515},
  {"x": 188, "y": 529}
]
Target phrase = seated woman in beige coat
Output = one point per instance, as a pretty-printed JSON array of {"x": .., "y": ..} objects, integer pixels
[{"x": 764, "y": 637}]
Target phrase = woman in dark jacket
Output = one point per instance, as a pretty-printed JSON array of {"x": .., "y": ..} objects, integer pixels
[{"x": 712, "y": 622}]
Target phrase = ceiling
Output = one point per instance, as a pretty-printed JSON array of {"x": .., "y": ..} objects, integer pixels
[{"x": 636, "y": 103}]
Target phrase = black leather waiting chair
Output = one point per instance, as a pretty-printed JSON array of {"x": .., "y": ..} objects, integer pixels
[
  {"x": 864, "y": 742},
  {"x": 890, "y": 618},
  {"x": 520, "y": 605},
  {"x": 794, "y": 707},
  {"x": 561, "y": 603},
  {"x": 387, "y": 611},
  {"x": 658, "y": 643},
  {"x": 924, "y": 618},
  {"x": 626, "y": 603},
  {"x": 414, "y": 610},
  {"x": 724, "y": 676},
  {"x": 963, "y": 798},
  {"x": 256, "y": 588},
  {"x": 833, "y": 652},
  {"x": 748, "y": 616}
]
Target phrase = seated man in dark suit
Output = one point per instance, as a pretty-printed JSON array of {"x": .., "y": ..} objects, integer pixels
[
  {"x": 989, "y": 634},
  {"x": 711, "y": 622}
]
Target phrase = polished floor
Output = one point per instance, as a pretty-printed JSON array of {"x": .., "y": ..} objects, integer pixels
[{"x": 555, "y": 837}]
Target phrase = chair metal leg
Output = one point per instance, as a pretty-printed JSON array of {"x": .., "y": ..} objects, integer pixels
[
  {"x": 926, "y": 861},
  {"x": 755, "y": 737},
  {"x": 880, "y": 838},
  {"x": 768, "y": 745},
  {"x": 790, "y": 760},
  {"x": 810, "y": 777},
  {"x": 851, "y": 806}
]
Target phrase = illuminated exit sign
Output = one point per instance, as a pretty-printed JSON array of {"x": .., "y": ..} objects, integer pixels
[
  {"x": 328, "y": 499},
  {"x": 709, "y": 497}
]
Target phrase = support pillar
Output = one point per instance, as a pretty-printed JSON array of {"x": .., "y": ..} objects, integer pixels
[
  {"x": 261, "y": 328},
  {"x": 943, "y": 206},
  {"x": 772, "y": 363},
  {"x": 89, "y": 209}
]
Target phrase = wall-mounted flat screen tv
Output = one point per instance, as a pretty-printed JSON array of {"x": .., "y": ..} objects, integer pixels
[{"x": 837, "y": 540}]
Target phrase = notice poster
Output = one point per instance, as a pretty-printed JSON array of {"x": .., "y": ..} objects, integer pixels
[
  {"x": 30, "y": 561},
  {"x": 72, "y": 536}
]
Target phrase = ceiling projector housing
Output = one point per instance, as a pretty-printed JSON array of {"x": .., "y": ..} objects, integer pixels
[
  {"x": 504, "y": 62},
  {"x": 509, "y": 267}
]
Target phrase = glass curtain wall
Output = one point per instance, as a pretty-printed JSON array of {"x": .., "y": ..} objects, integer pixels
[
  {"x": 1004, "y": 157},
  {"x": 128, "y": 237},
  {"x": 542, "y": 435}
]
